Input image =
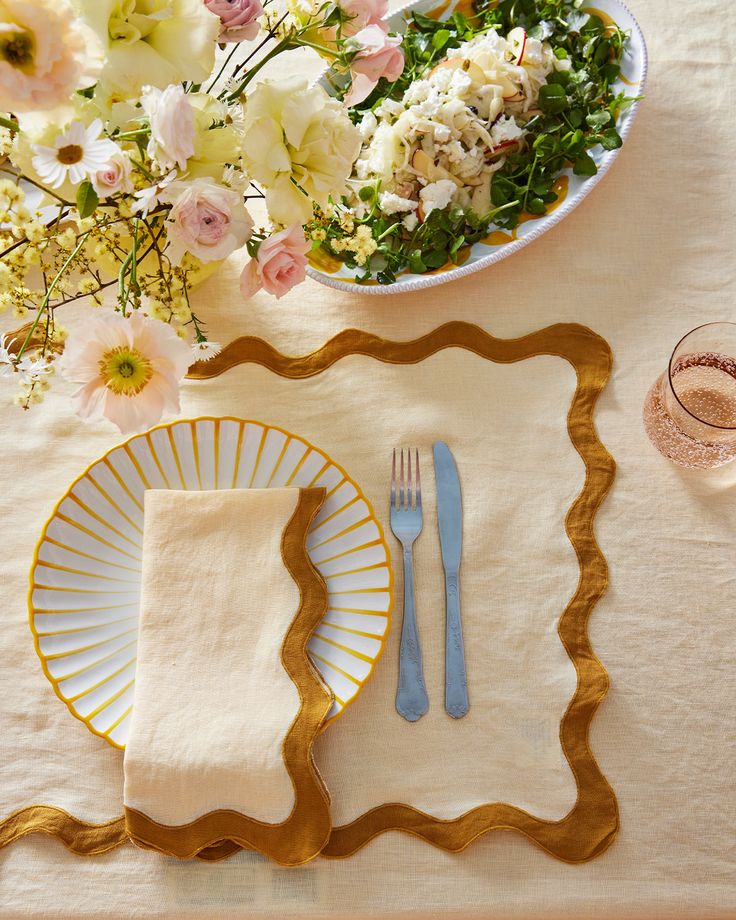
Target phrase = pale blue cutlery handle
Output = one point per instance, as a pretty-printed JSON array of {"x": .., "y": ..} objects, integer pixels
[
  {"x": 412, "y": 701},
  {"x": 456, "y": 682}
]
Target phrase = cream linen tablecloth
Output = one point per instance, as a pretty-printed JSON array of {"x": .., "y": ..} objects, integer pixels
[{"x": 648, "y": 256}]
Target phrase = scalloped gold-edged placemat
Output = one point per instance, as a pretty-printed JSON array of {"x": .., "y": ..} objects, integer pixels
[{"x": 591, "y": 825}]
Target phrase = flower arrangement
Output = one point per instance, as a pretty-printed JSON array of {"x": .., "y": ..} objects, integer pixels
[{"x": 133, "y": 137}]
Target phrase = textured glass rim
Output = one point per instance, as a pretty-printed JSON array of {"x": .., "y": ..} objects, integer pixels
[{"x": 669, "y": 375}]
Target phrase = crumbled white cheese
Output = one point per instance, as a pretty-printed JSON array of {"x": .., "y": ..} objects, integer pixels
[
  {"x": 505, "y": 129},
  {"x": 461, "y": 83},
  {"x": 368, "y": 125},
  {"x": 437, "y": 194},
  {"x": 410, "y": 221},
  {"x": 395, "y": 204}
]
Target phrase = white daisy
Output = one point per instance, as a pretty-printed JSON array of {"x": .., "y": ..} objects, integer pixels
[
  {"x": 148, "y": 198},
  {"x": 77, "y": 153},
  {"x": 33, "y": 369},
  {"x": 7, "y": 358},
  {"x": 203, "y": 351}
]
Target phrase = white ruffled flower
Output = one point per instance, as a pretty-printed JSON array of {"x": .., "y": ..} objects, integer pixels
[
  {"x": 172, "y": 126},
  {"x": 297, "y": 137},
  {"x": 77, "y": 153}
]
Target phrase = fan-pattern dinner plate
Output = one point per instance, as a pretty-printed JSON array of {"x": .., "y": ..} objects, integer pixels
[{"x": 85, "y": 579}]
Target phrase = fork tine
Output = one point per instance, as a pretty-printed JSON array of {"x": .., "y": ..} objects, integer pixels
[
  {"x": 393, "y": 480},
  {"x": 418, "y": 483},
  {"x": 402, "y": 498},
  {"x": 409, "y": 505}
]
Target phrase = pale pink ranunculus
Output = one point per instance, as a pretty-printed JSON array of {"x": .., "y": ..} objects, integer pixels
[
  {"x": 46, "y": 54},
  {"x": 207, "y": 219},
  {"x": 129, "y": 369},
  {"x": 362, "y": 13},
  {"x": 238, "y": 18},
  {"x": 380, "y": 55},
  {"x": 280, "y": 265},
  {"x": 114, "y": 179},
  {"x": 172, "y": 125}
]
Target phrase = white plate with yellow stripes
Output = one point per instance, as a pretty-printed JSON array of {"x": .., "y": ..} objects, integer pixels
[{"x": 85, "y": 578}]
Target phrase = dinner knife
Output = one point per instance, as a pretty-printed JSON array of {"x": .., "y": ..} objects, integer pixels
[{"x": 450, "y": 519}]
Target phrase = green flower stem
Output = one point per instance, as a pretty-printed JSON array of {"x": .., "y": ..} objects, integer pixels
[
  {"x": 221, "y": 71},
  {"x": 286, "y": 44},
  {"x": 9, "y": 124},
  {"x": 51, "y": 288},
  {"x": 321, "y": 48}
]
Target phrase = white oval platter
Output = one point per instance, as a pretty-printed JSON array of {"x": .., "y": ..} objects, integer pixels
[
  {"x": 85, "y": 579},
  {"x": 483, "y": 254}
]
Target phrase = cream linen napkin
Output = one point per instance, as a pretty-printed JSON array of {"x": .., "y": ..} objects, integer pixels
[{"x": 227, "y": 704}]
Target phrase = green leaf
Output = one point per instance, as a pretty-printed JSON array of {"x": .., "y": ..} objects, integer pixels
[
  {"x": 553, "y": 98},
  {"x": 598, "y": 120},
  {"x": 87, "y": 199},
  {"x": 611, "y": 139},
  {"x": 536, "y": 206},
  {"x": 441, "y": 38},
  {"x": 436, "y": 258},
  {"x": 585, "y": 165}
]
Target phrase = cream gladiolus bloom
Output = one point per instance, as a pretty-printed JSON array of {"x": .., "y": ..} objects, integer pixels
[
  {"x": 299, "y": 144},
  {"x": 154, "y": 42}
]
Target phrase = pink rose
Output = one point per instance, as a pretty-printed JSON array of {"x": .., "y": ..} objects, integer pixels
[
  {"x": 237, "y": 18},
  {"x": 114, "y": 178},
  {"x": 362, "y": 13},
  {"x": 207, "y": 220},
  {"x": 379, "y": 56},
  {"x": 281, "y": 263}
]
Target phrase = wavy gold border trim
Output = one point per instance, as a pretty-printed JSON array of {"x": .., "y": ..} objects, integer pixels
[
  {"x": 592, "y": 824},
  {"x": 79, "y": 837},
  {"x": 303, "y": 834}
]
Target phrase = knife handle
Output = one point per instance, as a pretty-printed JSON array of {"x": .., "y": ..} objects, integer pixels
[
  {"x": 412, "y": 701},
  {"x": 456, "y": 683}
]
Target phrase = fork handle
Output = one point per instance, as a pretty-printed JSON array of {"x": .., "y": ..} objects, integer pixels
[
  {"x": 412, "y": 701},
  {"x": 456, "y": 683}
]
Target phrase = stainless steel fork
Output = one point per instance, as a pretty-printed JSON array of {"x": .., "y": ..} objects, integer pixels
[{"x": 412, "y": 701}]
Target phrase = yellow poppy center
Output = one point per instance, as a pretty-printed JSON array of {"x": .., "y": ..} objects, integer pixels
[
  {"x": 125, "y": 371},
  {"x": 16, "y": 48},
  {"x": 70, "y": 154}
]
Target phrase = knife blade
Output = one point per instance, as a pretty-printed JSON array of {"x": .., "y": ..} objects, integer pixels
[{"x": 450, "y": 522}]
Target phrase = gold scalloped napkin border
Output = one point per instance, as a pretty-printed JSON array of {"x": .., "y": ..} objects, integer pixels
[
  {"x": 152, "y": 780},
  {"x": 592, "y": 824}
]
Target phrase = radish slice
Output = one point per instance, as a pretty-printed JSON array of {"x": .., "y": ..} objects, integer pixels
[{"x": 517, "y": 37}]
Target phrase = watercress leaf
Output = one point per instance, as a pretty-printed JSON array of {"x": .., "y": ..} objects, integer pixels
[
  {"x": 441, "y": 38},
  {"x": 436, "y": 258},
  {"x": 611, "y": 139},
  {"x": 536, "y": 206},
  {"x": 553, "y": 98},
  {"x": 585, "y": 165},
  {"x": 598, "y": 120}
]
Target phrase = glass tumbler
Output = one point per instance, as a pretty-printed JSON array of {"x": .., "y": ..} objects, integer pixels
[{"x": 690, "y": 412}]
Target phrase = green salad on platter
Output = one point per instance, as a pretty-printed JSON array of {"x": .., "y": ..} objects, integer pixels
[{"x": 495, "y": 101}]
